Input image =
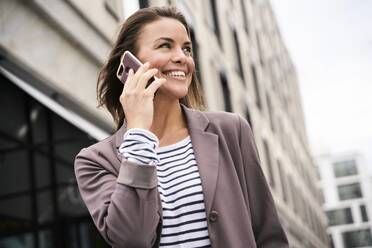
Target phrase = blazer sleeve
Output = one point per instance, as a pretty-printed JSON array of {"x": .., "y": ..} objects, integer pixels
[
  {"x": 266, "y": 226},
  {"x": 125, "y": 209}
]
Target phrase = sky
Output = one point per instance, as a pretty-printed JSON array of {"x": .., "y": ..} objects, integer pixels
[{"x": 330, "y": 43}]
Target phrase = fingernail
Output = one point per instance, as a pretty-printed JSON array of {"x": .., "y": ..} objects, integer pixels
[{"x": 147, "y": 64}]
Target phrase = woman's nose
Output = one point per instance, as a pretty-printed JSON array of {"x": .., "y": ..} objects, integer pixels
[{"x": 179, "y": 56}]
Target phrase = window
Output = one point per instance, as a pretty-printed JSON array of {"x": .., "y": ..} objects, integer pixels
[
  {"x": 283, "y": 181},
  {"x": 245, "y": 16},
  {"x": 226, "y": 92},
  {"x": 271, "y": 113},
  {"x": 216, "y": 26},
  {"x": 259, "y": 48},
  {"x": 40, "y": 204},
  {"x": 238, "y": 56},
  {"x": 112, "y": 7},
  {"x": 364, "y": 213},
  {"x": 349, "y": 191},
  {"x": 195, "y": 53},
  {"x": 357, "y": 238},
  {"x": 256, "y": 86},
  {"x": 143, "y": 3},
  {"x": 294, "y": 193},
  {"x": 339, "y": 216},
  {"x": 248, "y": 117},
  {"x": 345, "y": 168}
]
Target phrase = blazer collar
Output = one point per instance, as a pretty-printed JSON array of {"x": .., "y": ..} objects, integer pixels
[
  {"x": 206, "y": 150},
  {"x": 196, "y": 121}
]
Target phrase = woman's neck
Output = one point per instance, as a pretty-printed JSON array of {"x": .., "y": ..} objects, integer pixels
[{"x": 168, "y": 118}]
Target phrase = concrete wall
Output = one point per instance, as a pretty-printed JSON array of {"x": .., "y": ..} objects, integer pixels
[{"x": 62, "y": 43}]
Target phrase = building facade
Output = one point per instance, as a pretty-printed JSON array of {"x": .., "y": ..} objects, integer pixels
[
  {"x": 346, "y": 183},
  {"x": 50, "y": 52},
  {"x": 50, "y": 55}
]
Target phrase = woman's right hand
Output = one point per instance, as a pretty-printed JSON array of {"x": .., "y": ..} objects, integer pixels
[{"x": 137, "y": 100}]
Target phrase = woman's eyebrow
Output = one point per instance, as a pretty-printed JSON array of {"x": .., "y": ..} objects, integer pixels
[
  {"x": 165, "y": 38},
  {"x": 171, "y": 40}
]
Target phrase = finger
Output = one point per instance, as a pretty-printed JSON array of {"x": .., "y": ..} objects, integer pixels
[
  {"x": 134, "y": 81},
  {"x": 145, "y": 77},
  {"x": 154, "y": 86},
  {"x": 142, "y": 69},
  {"x": 129, "y": 80}
]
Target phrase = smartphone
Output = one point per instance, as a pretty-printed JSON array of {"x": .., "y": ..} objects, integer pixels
[{"x": 129, "y": 61}]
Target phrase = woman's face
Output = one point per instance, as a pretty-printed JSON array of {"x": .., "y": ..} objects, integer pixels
[{"x": 166, "y": 46}]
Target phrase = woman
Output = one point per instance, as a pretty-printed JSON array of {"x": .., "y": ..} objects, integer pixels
[{"x": 172, "y": 176}]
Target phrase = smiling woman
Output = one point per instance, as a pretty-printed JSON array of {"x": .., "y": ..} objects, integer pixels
[
  {"x": 165, "y": 45},
  {"x": 172, "y": 175},
  {"x": 149, "y": 27}
]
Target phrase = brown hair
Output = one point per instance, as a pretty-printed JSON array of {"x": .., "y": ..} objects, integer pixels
[{"x": 109, "y": 87}]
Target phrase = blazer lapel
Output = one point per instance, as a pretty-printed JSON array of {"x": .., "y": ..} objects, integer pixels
[{"x": 205, "y": 145}]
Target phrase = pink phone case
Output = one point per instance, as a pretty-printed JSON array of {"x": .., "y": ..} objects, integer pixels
[{"x": 129, "y": 61}]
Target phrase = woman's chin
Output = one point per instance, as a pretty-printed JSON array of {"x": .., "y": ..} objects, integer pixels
[{"x": 174, "y": 92}]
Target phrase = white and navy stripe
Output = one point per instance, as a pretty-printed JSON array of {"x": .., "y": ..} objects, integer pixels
[
  {"x": 181, "y": 193},
  {"x": 180, "y": 188},
  {"x": 139, "y": 146}
]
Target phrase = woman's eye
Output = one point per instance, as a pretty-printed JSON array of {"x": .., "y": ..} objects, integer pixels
[
  {"x": 187, "y": 50},
  {"x": 165, "y": 45}
]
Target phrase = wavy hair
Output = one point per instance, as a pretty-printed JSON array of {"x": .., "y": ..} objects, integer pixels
[{"x": 109, "y": 87}]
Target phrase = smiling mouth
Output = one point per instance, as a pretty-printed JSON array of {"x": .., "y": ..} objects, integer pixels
[{"x": 179, "y": 75}]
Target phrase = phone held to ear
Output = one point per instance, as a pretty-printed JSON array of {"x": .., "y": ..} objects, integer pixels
[{"x": 129, "y": 61}]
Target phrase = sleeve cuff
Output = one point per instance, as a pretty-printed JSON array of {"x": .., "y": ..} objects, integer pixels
[
  {"x": 148, "y": 133},
  {"x": 143, "y": 177}
]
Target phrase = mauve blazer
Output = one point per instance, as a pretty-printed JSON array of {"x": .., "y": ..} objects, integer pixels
[{"x": 124, "y": 201}]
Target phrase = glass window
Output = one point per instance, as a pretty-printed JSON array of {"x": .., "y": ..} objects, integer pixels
[
  {"x": 357, "y": 238},
  {"x": 112, "y": 7},
  {"x": 238, "y": 57},
  {"x": 349, "y": 191},
  {"x": 23, "y": 240},
  {"x": 339, "y": 216},
  {"x": 345, "y": 168},
  {"x": 245, "y": 16},
  {"x": 216, "y": 26},
  {"x": 248, "y": 116},
  {"x": 144, "y": 3},
  {"x": 283, "y": 181},
  {"x": 256, "y": 86},
  {"x": 226, "y": 92},
  {"x": 39, "y": 200},
  {"x": 364, "y": 213},
  {"x": 271, "y": 112}
]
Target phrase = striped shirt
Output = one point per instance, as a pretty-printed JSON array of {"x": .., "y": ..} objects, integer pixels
[{"x": 179, "y": 185}]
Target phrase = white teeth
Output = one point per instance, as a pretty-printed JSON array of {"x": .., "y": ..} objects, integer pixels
[{"x": 176, "y": 74}]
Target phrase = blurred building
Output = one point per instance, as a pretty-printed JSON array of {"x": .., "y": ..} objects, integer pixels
[
  {"x": 346, "y": 186},
  {"x": 50, "y": 52}
]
